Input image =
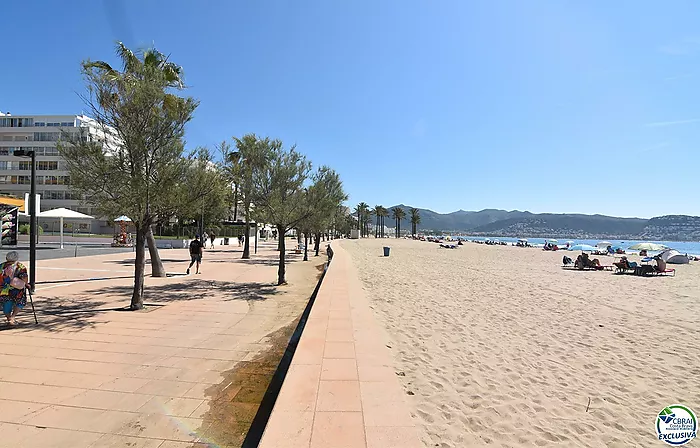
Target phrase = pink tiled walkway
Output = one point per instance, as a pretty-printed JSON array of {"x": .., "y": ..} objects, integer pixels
[{"x": 341, "y": 390}]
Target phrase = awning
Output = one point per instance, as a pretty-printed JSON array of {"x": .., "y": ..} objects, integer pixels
[{"x": 13, "y": 201}]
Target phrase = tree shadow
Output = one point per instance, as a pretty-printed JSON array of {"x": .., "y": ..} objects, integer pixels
[
  {"x": 89, "y": 309},
  {"x": 132, "y": 261},
  {"x": 56, "y": 314},
  {"x": 194, "y": 290}
]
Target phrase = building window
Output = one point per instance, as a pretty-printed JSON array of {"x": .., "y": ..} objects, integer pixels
[
  {"x": 50, "y": 151},
  {"x": 45, "y": 166},
  {"x": 63, "y": 180},
  {"x": 25, "y": 165},
  {"x": 39, "y": 124},
  {"x": 40, "y": 180},
  {"x": 53, "y": 195},
  {"x": 10, "y": 122},
  {"x": 4, "y": 179},
  {"x": 21, "y": 180},
  {"x": 51, "y": 180}
]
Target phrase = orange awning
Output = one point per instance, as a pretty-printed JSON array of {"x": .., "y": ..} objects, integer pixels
[{"x": 13, "y": 201}]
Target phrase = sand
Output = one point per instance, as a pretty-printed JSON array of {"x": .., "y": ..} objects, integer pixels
[{"x": 502, "y": 347}]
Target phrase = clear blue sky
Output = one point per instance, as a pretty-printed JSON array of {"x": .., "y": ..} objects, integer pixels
[{"x": 547, "y": 106}]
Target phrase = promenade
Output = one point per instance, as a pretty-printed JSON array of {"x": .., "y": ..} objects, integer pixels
[
  {"x": 341, "y": 390},
  {"x": 189, "y": 370}
]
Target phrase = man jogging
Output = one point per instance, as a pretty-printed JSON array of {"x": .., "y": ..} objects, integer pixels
[{"x": 196, "y": 247}]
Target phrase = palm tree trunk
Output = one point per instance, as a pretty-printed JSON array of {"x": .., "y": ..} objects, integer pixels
[
  {"x": 235, "y": 203},
  {"x": 246, "y": 241}
]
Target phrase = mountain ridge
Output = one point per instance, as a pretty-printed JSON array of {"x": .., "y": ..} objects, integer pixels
[{"x": 496, "y": 222}]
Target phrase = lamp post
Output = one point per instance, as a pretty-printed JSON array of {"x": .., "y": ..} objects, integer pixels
[{"x": 32, "y": 217}]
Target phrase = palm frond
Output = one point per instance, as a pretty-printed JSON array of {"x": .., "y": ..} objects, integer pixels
[{"x": 129, "y": 59}]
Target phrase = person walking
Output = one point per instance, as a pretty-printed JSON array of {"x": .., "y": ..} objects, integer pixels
[
  {"x": 213, "y": 238},
  {"x": 196, "y": 247}
]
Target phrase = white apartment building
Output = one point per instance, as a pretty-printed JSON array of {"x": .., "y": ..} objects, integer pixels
[{"x": 40, "y": 133}]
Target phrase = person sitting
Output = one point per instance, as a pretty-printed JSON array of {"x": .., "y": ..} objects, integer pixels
[
  {"x": 566, "y": 261},
  {"x": 643, "y": 253},
  {"x": 619, "y": 251},
  {"x": 14, "y": 280},
  {"x": 460, "y": 243},
  {"x": 660, "y": 264},
  {"x": 610, "y": 250},
  {"x": 624, "y": 264},
  {"x": 583, "y": 262}
]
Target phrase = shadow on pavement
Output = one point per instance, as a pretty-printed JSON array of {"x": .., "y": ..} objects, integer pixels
[
  {"x": 193, "y": 290},
  {"x": 77, "y": 312},
  {"x": 61, "y": 314}
]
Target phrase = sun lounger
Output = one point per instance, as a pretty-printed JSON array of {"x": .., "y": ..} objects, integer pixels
[
  {"x": 588, "y": 268},
  {"x": 653, "y": 271}
]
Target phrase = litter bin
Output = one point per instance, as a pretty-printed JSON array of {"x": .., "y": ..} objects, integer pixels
[
  {"x": 386, "y": 251},
  {"x": 225, "y": 241}
]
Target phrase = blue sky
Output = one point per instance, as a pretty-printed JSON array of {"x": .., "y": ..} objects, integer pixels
[{"x": 547, "y": 106}]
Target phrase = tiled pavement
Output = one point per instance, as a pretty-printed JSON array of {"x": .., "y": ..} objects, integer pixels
[
  {"x": 92, "y": 376},
  {"x": 341, "y": 390}
]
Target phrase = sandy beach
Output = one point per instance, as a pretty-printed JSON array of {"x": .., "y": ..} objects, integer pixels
[{"x": 501, "y": 347}]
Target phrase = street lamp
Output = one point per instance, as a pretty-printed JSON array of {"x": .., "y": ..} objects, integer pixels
[{"x": 32, "y": 217}]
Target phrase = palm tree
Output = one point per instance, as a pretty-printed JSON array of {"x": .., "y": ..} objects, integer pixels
[
  {"x": 398, "y": 214},
  {"x": 152, "y": 65},
  {"x": 378, "y": 214},
  {"x": 368, "y": 218},
  {"x": 361, "y": 211},
  {"x": 415, "y": 220},
  {"x": 384, "y": 214}
]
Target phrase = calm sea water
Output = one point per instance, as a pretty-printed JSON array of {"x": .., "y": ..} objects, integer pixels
[{"x": 684, "y": 247}]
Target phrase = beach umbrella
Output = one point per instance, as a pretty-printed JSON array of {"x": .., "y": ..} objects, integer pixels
[
  {"x": 553, "y": 241},
  {"x": 524, "y": 240},
  {"x": 583, "y": 248},
  {"x": 569, "y": 242},
  {"x": 604, "y": 244},
  {"x": 62, "y": 213},
  {"x": 654, "y": 247},
  {"x": 123, "y": 219}
]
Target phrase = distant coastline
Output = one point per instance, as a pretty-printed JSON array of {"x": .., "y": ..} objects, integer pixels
[{"x": 517, "y": 224}]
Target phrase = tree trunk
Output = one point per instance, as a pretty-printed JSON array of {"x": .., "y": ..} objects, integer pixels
[
  {"x": 246, "y": 241},
  {"x": 318, "y": 243},
  {"x": 235, "y": 203},
  {"x": 139, "y": 268},
  {"x": 281, "y": 270},
  {"x": 157, "y": 269},
  {"x": 306, "y": 247}
]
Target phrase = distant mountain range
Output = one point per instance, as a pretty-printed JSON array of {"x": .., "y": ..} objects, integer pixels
[{"x": 515, "y": 223}]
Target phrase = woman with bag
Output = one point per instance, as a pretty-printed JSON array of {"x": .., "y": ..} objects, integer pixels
[{"x": 14, "y": 279}]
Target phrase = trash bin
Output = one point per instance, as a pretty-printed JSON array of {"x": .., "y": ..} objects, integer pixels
[
  {"x": 386, "y": 251},
  {"x": 225, "y": 241}
]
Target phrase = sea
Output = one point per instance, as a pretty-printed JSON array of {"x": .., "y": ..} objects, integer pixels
[{"x": 684, "y": 247}]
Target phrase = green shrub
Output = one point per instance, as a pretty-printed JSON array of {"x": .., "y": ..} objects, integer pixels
[{"x": 24, "y": 229}]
